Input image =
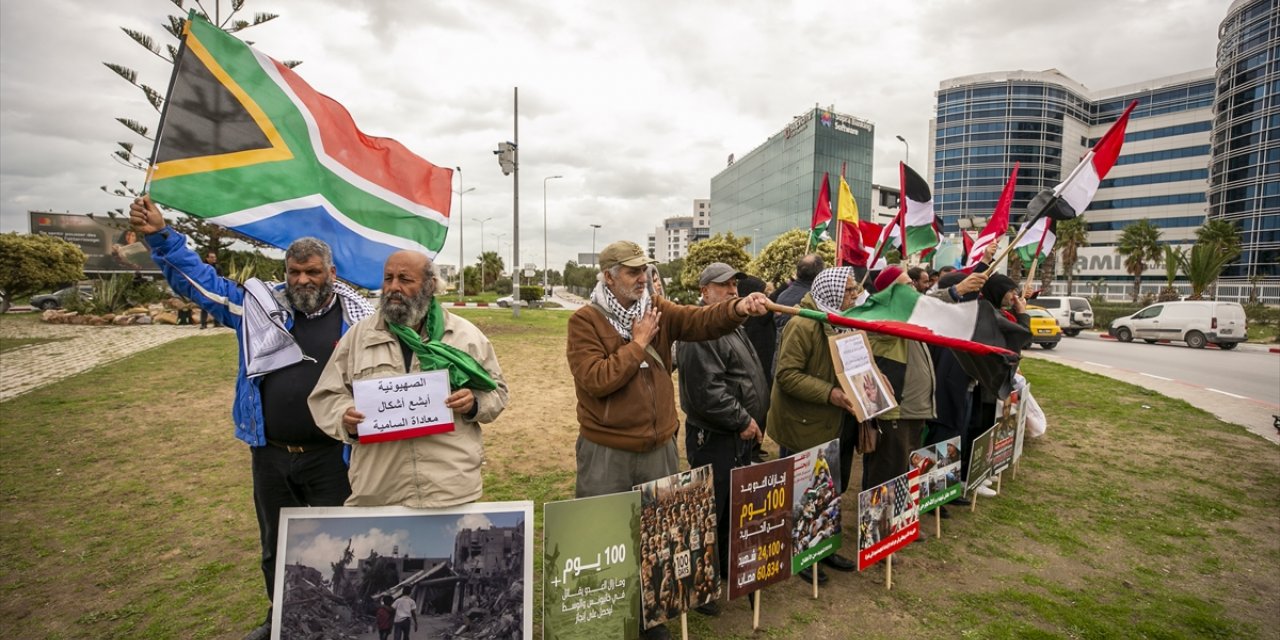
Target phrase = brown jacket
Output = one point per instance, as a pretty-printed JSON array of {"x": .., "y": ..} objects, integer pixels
[{"x": 625, "y": 396}]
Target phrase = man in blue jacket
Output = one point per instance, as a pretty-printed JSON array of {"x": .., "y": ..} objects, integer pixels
[{"x": 286, "y": 333}]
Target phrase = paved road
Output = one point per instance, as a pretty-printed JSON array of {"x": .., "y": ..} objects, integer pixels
[{"x": 1241, "y": 386}]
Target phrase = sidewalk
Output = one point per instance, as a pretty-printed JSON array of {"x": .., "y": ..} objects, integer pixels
[{"x": 78, "y": 349}]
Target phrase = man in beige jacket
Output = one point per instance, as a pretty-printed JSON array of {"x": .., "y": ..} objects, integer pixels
[{"x": 438, "y": 470}]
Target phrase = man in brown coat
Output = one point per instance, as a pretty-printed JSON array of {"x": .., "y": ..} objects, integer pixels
[{"x": 619, "y": 351}]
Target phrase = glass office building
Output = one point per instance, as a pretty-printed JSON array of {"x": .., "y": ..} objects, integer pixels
[
  {"x": 1244, "y": 182},
  {"x": 773, "y": 189}
]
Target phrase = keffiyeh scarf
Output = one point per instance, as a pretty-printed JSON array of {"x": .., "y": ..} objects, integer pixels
[
  {"x": 828, "y": 291},
  {"x": 619, "y": 316}
]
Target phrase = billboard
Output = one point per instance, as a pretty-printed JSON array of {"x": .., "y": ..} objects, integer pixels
[{"x": 109, "y": 246}]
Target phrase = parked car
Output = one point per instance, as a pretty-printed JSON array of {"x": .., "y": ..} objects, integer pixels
[
  {"x": 56, "y": 299},
  {"x": 1044, "y": 328},
  {"x": 1073, "y": 313},
  {"x": 1194, "y": 322},
  {"x": 505, "y": 302}
]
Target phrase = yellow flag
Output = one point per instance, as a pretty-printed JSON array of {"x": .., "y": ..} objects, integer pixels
[{"x": 847, "y": 208}]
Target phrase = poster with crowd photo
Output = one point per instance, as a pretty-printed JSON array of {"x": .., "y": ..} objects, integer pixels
[
  {"x": 759, "y": 526},
  {"x": 467, "y": 569},
  {"x": 888, "y": 518},
  {"x": 815, "y": 504},
  {"x": 939, "y": 468},
  {"x": 108, "y": 245},
  {"x": 679, "y": 569},
  {"x": 591, "y": 568},
  {"x": 980, "y": 460}
]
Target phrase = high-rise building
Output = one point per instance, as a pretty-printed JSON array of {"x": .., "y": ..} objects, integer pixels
[
  {"x": 1244, "y": 177},
  {"x": 671, "y": 240},
  {"x": 773, "y": 188},
  {"x": 1047, "y": 122}
]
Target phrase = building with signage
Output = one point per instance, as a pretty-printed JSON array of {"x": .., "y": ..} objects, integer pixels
[
  {"x": 773, "y": 188},
  {"x": 1244, "y": 177}
]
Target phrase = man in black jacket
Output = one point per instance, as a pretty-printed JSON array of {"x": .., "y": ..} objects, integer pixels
[
  {"x": 725, "y": 398},
  {"x": 807, "y": 268}
]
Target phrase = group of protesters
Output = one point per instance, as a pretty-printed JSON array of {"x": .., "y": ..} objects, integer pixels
[{"x": 294, "y": 405}]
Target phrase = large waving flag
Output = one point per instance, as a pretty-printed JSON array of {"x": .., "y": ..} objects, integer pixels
[
  {"x": 821, "y": 213},
  {"x": 245, "y": 143},
  {"x": 998, "y": 225},
  {"x": 1078, "y": 189}
]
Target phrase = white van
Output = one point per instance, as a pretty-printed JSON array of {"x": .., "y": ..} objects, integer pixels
[
  {"x": 1073, "y": 313},
  {"x": 1193, "y": 322}
]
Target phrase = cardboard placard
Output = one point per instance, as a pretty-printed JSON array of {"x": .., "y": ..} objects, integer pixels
[
  {"x": 591, "y": 568},
  {"x": 815, "y": 529},
  {"x": 679, "y": 569},
  {"x": 401, "y": 407},
  {"x": 858, "y": 376},
  {"x": 939, "y": 468},
  {"x": 759, "y": 526},
  {"x": 888, "y": 518}
]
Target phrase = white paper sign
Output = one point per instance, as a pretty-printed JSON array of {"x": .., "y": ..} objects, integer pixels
[{"x": 402, "y": 407}]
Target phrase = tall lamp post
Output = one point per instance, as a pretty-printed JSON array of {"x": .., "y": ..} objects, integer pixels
[
  {"x": 755, "y": 233},
  {"x": 462, "y": 254},
  {"x": 482, "y": 252},
  {"x": 545, "y": 280},
  {"x": 595, "y": 261},
  {"x": 907, "y": 158}
]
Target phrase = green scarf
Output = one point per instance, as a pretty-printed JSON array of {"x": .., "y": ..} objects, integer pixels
[{"x": 463, "y": 370}]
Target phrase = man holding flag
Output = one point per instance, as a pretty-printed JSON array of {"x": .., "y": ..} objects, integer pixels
[{"x": 295, "y": 464}]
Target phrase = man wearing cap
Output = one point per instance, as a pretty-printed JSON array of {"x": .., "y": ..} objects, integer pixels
[
  {"x": 619, "y": 352},
  {"x": 728, "y": 403}
]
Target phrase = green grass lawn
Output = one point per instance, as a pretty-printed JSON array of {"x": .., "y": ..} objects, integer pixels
[{"x": 128, "y": 514}]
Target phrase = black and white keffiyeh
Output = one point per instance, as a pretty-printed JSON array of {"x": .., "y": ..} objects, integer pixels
[
  {"x": 828, "y": 288},
  {"x": 619, "y": 316}
]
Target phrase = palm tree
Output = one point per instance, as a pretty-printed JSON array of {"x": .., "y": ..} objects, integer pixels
[
  {"x": 1203, "y": 264},
  {"x": 1173, "y": 260},
  {"x": 491, "y": 267},
  {"x": 1222, "y": 234},
  {"x": 1139, "y": 244},
  {"x": 1072, "y": 234}
]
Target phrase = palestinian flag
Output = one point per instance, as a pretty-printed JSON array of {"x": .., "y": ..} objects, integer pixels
[
  {"x": 1036, "y": 243},
  {"x": 1072, "y": 196},
  {"x": 998, "y": 225},
  {"x": 970, "y": 329},
  {"x": 821, "y": 213},
  {"x": 245, "y": 143},
  {"x": 916, "y": 214}
]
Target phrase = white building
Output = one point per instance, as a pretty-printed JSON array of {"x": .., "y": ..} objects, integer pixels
[{"x": 671, "y": 240}]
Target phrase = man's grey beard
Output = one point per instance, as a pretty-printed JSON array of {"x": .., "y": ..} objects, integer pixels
[
  {"x": 398, "y": 308},
  {"x": 308, "y": 298}
]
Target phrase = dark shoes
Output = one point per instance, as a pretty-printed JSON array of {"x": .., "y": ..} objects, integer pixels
[
  {"x": 806, "y": 574},
  {"x": 659, "y": 632},
  {"x": 961, "y": 502},
  {"x": 263, "y": 632},
  {"x": 839, "y": 563},
  {"x": 711, "y": 609},
  {"x": 946, "y": 515}
]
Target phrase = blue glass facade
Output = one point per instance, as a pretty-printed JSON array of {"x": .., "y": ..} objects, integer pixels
[
  {"x": 775, "y": 186},
  {"x": 1244, "y": 180},
  {"x": 1046, "y": 122}
]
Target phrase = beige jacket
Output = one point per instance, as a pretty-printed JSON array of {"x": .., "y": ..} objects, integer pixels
[{"x": 439, "y": 470}]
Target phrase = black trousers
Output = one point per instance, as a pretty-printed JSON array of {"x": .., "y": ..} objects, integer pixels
[
  {"x": 723, "y": 452},
  {"x": 892, "y": 457},
  {"x": 282, "y": 479}
]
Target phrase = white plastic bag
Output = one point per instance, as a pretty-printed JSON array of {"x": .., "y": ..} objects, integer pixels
[{"x": 1037, "y": 424}]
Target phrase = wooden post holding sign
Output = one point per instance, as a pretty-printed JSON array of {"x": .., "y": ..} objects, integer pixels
[
  {"x": 755, "y": 610},
  {"x": 814, "y": 574},
  {"x": 888, "y": 573},
  {"x": 684, "y": 625},
  {"x": 937, "y": 521}
]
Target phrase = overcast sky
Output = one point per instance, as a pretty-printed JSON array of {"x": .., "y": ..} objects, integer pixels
[{"x": 636, "y": 104}]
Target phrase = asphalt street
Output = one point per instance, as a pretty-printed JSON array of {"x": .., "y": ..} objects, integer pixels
[{"x": 1241, "y": 386}]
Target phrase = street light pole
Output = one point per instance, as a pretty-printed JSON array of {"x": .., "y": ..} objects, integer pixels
[
  {"x": 907, "y": 159},
  {"x": 482, "y": 260},
  {"x": 462, "y": 254},
  {"x": 545, "y": 277},
  {"x": 755, "y": 234},
  {"x": 595, "y": 261}
]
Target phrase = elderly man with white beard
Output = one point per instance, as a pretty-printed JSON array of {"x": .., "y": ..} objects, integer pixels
[{"x": 412, "y": 332}]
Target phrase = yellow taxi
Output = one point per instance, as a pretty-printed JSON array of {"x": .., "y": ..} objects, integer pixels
[{"x": 1044, "y": 327}]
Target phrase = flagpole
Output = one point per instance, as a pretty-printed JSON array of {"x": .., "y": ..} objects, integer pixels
[
  {"x": 164, "y": 111},
  {"x": 1035, "y": 262}
]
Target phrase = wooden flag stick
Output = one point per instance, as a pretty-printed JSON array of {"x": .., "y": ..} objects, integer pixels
[
  {"x": 973, "y": 504},
  {"x": 755, "y": 613},
  {"x": 684, "y": 625},
  {"x": 995, "y": 262},
  {"x": 813, "y": 569},
  {"x": 888, "y": 573},
  {"x": 937, "y": 520},
  {"x": 998, "y": 479}
]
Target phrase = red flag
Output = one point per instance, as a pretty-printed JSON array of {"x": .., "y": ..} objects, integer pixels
[
  {"x": 998, "y": 225},
  {"x": 853, "y": 251},
  {"x": 968, "y": 242}
]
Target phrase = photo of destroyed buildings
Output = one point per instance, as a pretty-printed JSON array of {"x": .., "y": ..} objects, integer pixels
[{"x": 468, "y": 570}]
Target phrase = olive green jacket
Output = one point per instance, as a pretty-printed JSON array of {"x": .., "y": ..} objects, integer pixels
[{"x": 800, "y": 413}]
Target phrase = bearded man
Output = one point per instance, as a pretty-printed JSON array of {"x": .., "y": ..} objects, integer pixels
[
  {"x": 286, "y": 333},
  {"x": 412, "y": 332}
]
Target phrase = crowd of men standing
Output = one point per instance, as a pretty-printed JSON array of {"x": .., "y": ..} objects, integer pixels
[{"x": 742, "y": 374}]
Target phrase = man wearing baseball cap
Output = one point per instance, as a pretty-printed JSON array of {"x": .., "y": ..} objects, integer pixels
[
  {"x": 726, "y": 408},
  {"x": 619, "y": 352}
]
